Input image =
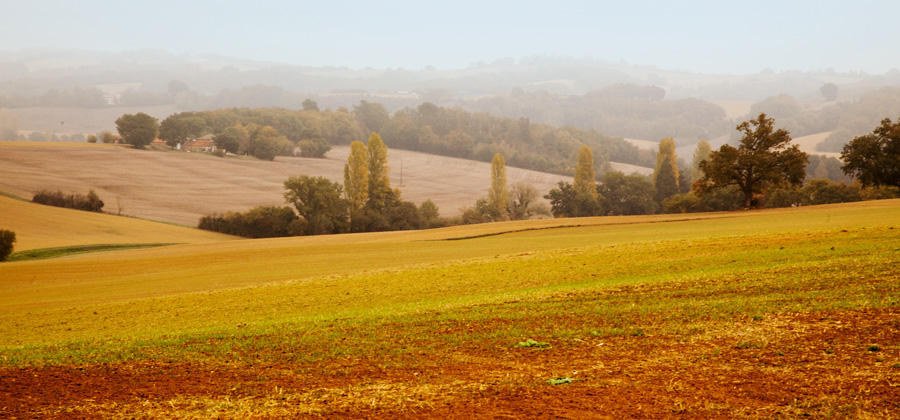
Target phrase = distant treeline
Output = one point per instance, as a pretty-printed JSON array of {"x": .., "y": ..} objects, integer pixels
[
  {"x": 427, "y": 128},
  {"x": 89, "y": 202},
  {"x": 625, "y": 110}
]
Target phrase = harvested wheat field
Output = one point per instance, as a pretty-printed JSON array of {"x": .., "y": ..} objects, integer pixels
[
  {"x": 182, "y": 187},
  {"x": 787, "y": 313}
]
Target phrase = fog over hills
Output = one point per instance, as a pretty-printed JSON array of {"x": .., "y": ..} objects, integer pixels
[{"x": 643, "y": 70}]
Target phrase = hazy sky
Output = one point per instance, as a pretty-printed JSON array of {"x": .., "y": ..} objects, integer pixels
[{"x": 699, "y": 36}]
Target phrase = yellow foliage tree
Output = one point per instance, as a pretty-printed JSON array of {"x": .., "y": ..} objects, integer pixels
[
  {"x": 356, "y": 177},
  {"x": 499, "y": 191},
  {"x": 585, "y": 180},
  {"x": 380, "y": 192}
]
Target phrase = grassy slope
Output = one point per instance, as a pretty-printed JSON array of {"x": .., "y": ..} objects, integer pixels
[
  {"x": 37, "y": 226},
  {"x": 393, "y": 286}
]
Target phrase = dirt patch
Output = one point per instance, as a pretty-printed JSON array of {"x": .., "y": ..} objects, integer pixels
[{"x": 821, "y": 364}]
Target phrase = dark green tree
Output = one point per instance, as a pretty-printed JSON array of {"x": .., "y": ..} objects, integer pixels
[
  {"x": 232, "y": 138},
  {"x": 319, "y": 202},
  {"x": 626, "y": 194},
  {"x": 178, "y": 128},
  {"x": 874, "y": 159},
  {"x": 765, "y": 158},
  {"x": 566, "y": 201},
  {"x": 429, "y": 214},
  {"x": 265, "y": 143},
  {"x": 138, "y": 130},
  {"x": 666, "y": 175},
  {"x": 7, "y": 239}
]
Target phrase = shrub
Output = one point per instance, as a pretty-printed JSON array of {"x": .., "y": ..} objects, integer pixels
[
  {"x": 313, "y": 149},
  {"x": 7, "y": 239},
  {"x": 258, "y": 222},
  {"x": 89, "y": 202}
]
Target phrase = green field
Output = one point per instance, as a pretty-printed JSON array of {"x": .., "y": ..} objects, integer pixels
[{"x": 392, "y": 321}]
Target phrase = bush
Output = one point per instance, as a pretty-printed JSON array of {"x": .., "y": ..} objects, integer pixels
[
  {"x": 89, "y": 202},
  {"x": 313, "y": 149},
  {"x": 7, "y": 239},
  {"x": 258, "y": 222}
]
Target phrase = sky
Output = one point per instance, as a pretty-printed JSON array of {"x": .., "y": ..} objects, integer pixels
[{"x": 711, "y": 37}]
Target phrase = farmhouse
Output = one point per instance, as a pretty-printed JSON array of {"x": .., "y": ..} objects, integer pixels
[{"x": 203, "y": 144}]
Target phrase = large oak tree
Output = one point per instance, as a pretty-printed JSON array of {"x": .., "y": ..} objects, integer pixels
[
  {"x": 763, "y": 159},
  {"x": 874, "y": 159}
]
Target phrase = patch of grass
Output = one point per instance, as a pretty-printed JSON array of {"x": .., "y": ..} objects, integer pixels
[
  {"x": 533, "y": 343},
  {"x": 391, "y": 299},
  {"x": 874, "y": 348},
  {"x": 560, "y": 381},
  {"x": 47, "y": 253}
]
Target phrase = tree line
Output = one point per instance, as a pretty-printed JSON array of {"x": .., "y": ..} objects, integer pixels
[
  {"x": 270, "y": 132},
  {"x": 89, "y": 202},
  {"x": 765, "y": 170}
]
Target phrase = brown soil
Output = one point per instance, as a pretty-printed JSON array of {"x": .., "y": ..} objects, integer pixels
[
  {"x": 182, "y": 187},
  {"x": 819, "y": 365}
]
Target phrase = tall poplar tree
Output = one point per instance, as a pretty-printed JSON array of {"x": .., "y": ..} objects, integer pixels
[
  {"x": 701, "y": 153},
  {"x": 585, "y": 180},
  {"x": 380, "y": 192},
  {"x": 356, "y": 178},
  {"x": 499, "y": 192},
  {"x": 665, "y": 177}
]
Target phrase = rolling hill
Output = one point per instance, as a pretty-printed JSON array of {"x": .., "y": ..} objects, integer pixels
[
  {"x": 181, "y": 187},
  {"x": 705, "y": 315},
  {"x": 38, "y": 226}
]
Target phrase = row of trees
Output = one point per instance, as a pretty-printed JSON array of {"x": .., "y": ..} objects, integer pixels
[
  {"x": 625, "y": 110},
  {"x": 426, "y": 128},
  {"x": 764, "y": 170},
  {"x": 89, "y": 202}
]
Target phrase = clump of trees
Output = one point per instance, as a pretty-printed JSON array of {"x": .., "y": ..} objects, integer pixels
[
  {"x": 7, "y": 241},
  {"x": 89, "y": 202},
  {"x": 258, "y": 222},
  {"x": 727, "y": 179},
  {"x": 364, "y": 203},
  {"x": 311, "y": 132},
  {"x": 518, "y": 202}
]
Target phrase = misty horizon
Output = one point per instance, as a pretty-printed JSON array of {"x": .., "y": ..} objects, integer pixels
[{"x": 696, "y": 37}]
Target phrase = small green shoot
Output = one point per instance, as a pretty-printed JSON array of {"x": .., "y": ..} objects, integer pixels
[
  {"x": 560, "y": 381},
  {"x": 874, "y": 347},
  {"x": 532, "y": 343}
]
